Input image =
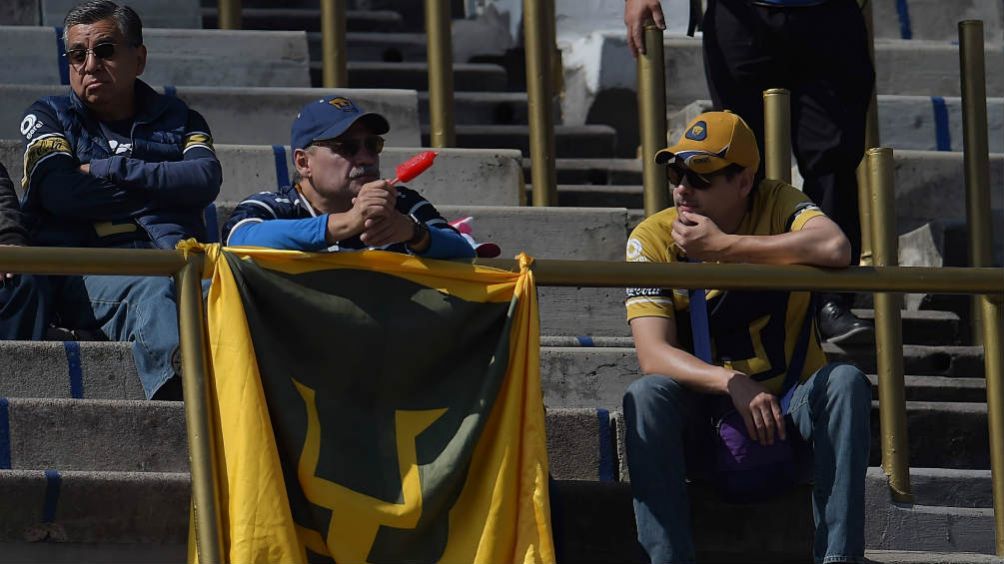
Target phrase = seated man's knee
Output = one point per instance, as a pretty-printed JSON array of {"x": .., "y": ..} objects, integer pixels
[
  {"x": 846, "y": 380},
  {"x": 653, "y": 391}
]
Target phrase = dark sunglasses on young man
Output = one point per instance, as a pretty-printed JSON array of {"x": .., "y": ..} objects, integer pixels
[
  {"x": 349, "y": 147},
  {"x": 102, "y": 52},
  {"x": 676, "y": 174}
]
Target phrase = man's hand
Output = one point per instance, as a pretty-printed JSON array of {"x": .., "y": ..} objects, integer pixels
[
  {"x": 393, "y": 228},
  {"x": 375, "y": 200},
  {"x": 699, "y": 237},
  {"x": 85, "y": 168},
  {"x": 636, "y": 14},
  {"x": 758, "y": 408}
]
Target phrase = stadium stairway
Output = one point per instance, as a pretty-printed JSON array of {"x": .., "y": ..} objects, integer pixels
[{"x": 90, "y": 473}]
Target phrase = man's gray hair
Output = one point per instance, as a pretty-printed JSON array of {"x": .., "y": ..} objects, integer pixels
[{"x": 94, "y": 11}]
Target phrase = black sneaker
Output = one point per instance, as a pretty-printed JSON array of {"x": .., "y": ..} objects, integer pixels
[{"x": 841, "y": 327}]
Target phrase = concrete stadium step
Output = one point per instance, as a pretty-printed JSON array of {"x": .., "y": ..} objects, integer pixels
[
  {"x": 376, "y": 47},
  {"x": 604, "y": 90},
  {"x": 474, "y": 77},
  {"x": 307, "y": 19},
  {"x": 921, "y": 123},
  {"x": 567, "y": 233},
  {"x": 925, "y": 360},
  {"x": 183, "y": 57},
  {"x": 137, "y": 435},
  {"x": 482, "y": 108},
  {"x": 154, "y": 13},
  {"x": 461, "y": 176},
  {"x": 68, "y": 517},
  {"x": 246, "y": 116},
  {"x": 935, "y": 20},
  {"x": 582, "y": 141}
]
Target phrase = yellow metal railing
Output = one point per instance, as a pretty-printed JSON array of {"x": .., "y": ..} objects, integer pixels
[
  {"x": 334, "y": 49},
  {"x": 440, "y": 54},
  {"x": 229, "y": 14},
  {"x": 652, "y": 120},
  {"x": 538, "y": 33},
  {"x": 205, "y": 496},
  {"x": 777, "y": 134}
]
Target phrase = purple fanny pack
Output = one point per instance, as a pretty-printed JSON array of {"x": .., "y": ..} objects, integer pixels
[{"x": 746, "y": 471}]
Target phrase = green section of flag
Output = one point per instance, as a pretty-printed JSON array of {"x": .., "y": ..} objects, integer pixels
[{"x": 371, "y": 345}]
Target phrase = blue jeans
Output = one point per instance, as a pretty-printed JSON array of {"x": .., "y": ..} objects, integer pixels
[
  {"x": 832, "y": 413},
  {"x": 140, "y": 309}
]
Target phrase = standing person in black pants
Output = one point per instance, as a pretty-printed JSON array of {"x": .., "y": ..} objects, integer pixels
[{"x": 818, "y": 50}]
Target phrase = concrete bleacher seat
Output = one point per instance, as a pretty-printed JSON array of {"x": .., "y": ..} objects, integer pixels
[
  {"x": 482, "y": 177},
  {"x": 599, "y": 66},
  {"x": 924, "y": 123},
  {"x": 154, "y": 13},
  {"x": 183, "y": 57},
  {"x": 246, "y": 116},
  {"x": 934, "y": 19}
]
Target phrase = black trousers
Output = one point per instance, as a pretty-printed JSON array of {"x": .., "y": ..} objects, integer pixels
[
  {"x": 25, "y": 307},
  {"x": 820, "y": 54}
]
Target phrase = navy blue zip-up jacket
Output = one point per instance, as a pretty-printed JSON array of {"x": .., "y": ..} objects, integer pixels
[{"x": 156, "y": 193}]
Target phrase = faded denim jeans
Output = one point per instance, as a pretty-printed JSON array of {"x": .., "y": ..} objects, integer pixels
[{"x": 832, "y": 412}]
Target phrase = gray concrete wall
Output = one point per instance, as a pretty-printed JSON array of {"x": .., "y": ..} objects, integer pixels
[
  {"x": 19, "y": 12},
  {"x": 599, "y": 65},
  {"x": 921, "y": 123},
  {"x": 246, "y": 116},
  {"x": 458, "y": 177},
  {"x": 176, "y": 56},
  {"x": 154, "y": 13}
]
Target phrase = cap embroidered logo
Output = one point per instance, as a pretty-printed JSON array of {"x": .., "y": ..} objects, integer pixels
[
  {"x": 698, "y": 132},
  {"x": 343, "y": 104}
]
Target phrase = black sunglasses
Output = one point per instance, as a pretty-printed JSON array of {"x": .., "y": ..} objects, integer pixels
[
  {"x": 676, "y": 175},
  {"x": 101, "y": 52},
  {"x": 349, "y": 147}
]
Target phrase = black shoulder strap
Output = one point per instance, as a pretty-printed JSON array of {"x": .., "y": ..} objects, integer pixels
[{"x": 797, "y": 363}]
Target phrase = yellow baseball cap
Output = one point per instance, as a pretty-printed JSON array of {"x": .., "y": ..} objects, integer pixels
[{"x": 713, "y": 141}]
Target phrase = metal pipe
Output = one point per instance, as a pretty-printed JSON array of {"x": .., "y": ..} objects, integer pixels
[
  {"x": 334, "y": 51},
  {"x": 539, "y": 39},
  {"x": 619, "y": 274},
  {"x": 652, "y": 119},
  {"x": 871, "y": 141},
  {"x": 198, "y": 420},
  {"x": 440, "y": 55},
  {"x": 229, "y": 14},
  {"x": 777, "y": 134},
  {"x": 976, "y": 151},
  {"x": 76, "y": 261},
  {"x": 889, "y": 329},
  {"x": 993, "y": 359}
]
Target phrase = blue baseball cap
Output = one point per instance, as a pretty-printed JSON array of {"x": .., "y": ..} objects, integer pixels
[{"x": 328, "y": 118}]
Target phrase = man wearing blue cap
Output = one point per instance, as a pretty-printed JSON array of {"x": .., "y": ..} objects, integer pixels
[{"x": 337, "y": 200}]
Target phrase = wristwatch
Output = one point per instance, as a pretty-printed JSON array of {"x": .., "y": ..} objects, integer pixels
[{"x": 419, "y": 231}]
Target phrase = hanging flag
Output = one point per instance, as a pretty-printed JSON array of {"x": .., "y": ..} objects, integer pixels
[{"x": 375, "y": 407}]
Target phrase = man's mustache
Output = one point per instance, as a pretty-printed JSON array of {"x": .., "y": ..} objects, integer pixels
[{"x": 371, "y": 171}]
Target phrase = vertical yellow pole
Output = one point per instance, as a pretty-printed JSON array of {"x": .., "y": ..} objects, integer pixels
[
  {"x": 229, "y": 15},
  {"x": 976, "y": 150},
  {"x": 888, "y": 329},
  {"x": 333, "y": 49},
  {"x": 198, "y": 419},
  {"x": 777, "y": 134},
  {"x": 652, "y": 118},
  {"x": 871, "y": 140},
  {"x": 537, "y": 33},
  {"x": 440, "y": 54},
  {"x": 994, "y": 363},
  {"x": 986, "y": 309}
]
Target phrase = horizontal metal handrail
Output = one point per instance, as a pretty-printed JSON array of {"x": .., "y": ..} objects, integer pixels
[
  {"x": 72, "y": 260},
  {"x": 941, "y": 280}
]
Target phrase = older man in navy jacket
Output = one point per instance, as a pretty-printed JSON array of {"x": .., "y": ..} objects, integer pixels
[{"x": 115, "y": 164}]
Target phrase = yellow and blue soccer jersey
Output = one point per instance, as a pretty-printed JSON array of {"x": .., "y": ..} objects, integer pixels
[{"x": 756, "y": 332}]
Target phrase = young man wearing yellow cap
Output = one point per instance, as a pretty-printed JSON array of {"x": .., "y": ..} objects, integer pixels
[{"x": 766, "y": 367}]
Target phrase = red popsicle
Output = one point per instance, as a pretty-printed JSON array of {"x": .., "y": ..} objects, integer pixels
[{"x": 411, "y": 168}]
